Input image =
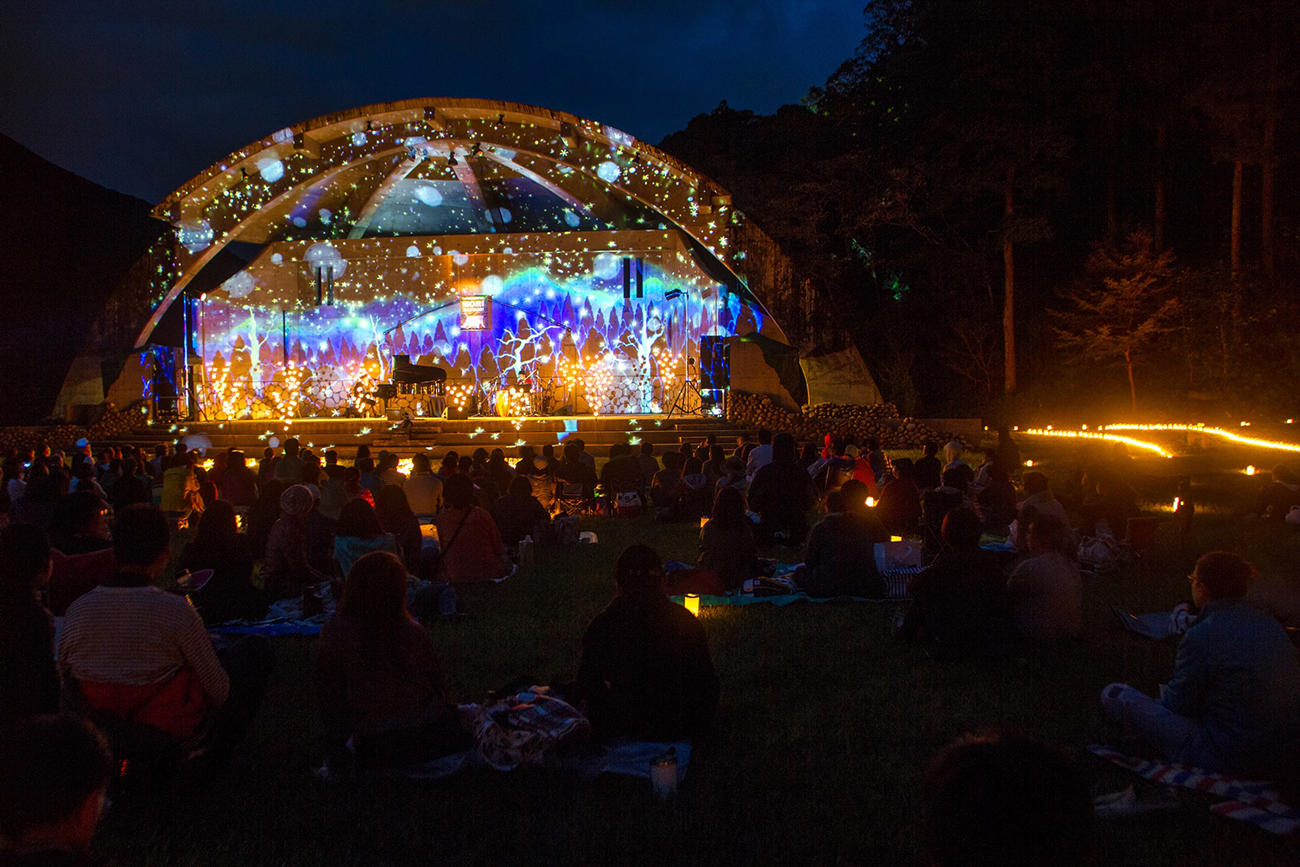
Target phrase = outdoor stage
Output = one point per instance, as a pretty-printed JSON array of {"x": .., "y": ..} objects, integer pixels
[{"x": 439, "y": 435}]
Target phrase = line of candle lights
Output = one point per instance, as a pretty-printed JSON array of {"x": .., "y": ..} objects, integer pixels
[{"x": 1098, "y": 435}]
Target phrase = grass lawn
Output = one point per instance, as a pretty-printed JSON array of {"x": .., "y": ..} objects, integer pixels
[{"x": 824, "y": 729}]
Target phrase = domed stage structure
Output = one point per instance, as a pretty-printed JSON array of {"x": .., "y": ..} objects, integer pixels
[{"x": 449, "y": 256}]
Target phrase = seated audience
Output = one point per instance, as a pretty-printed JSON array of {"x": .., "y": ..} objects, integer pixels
[
  {"x": 727, "y": 546},
  {"x": 397, "y": 519},
  {"x": 1112, "y": 502},
  {"x": 132, "y": 652},
  {"x": 499, "y": 472},
  {"x": 997, "y": 501},
  {"x": 218, "y": 545},
  {"x": 575, "y": 482},
  {"x": 133, "y": 486},
  {"x": 1232, "y": 702},
  {"x": 541, "y": 478},
  {"x": 359, "y": 533},
  {"x": 649, "y": 464},
  {"x": 238, "y": 484},
  {"x": 379, "y": 682},
  {"x": 1005, "y": 800},
  {"x": 287, "y": 568},
  {"x": 666, "y": 486},
  {"x": 471, "y": 543},
  {"x": 759, "y": 456},
  {"x": 899, "y": 509},
  {"x": 29, "y": 684},
  {"x": 1046, "y": 589},
  {"x": 839, "y": 559},
  {"x": 696, "y": 491},
  {"x": 622, "y": 472},
  {"x": 82, "y": 549},
  {"x": 1280, "y": 494},
  {"x": 646, "y": 671},
  {"x": 53, "y": 790},
  {"x": 959, "y": 602},
  {"x": 423, "y": 488},
  {"x": 781, "y": 493},
  {"x": 1038, "y": 500},
  {"x": 518, "y": 514}
]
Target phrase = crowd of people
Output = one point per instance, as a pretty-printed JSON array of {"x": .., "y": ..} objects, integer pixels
[{"x": 95, "y": 539}]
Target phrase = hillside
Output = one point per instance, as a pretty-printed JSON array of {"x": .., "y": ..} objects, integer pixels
[{"x": 65, "y": 242}]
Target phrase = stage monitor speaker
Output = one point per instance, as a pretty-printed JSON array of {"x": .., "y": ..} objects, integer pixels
[
  {"x": 454, "y": 414},
  {"x": 715, "y": 363}
]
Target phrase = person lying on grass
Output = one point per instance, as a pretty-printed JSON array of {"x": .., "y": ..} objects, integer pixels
[
  {"x": 1233, "y": 700},
  {"x": 646, "y": 671}
]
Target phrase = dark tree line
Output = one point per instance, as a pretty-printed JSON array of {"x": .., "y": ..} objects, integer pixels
[{"x": 959, "y": 184}]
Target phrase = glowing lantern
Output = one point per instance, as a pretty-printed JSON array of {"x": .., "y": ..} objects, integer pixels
[
  {"x": 895, "y": 538},
  {"x": 871, "y": 502},
  {"x": 1250, "y": 470},
  {"x": 692, "y": 603}
]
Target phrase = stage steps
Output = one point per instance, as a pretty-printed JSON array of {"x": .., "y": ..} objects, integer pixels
[{"x": 437, "y": 436}]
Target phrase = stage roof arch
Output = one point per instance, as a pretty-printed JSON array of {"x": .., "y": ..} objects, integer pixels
[{"x": 480, "y": 176}]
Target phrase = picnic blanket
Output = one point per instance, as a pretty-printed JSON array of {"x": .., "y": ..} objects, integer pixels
[
  {"x": 895, "y": 591},
  {"x": 623, "y": 757},
  {"x": 1253, "y": 801}
]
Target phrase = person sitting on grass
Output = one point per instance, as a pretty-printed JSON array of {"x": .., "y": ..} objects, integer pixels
[
  {"x": 622, "y": 472},
  {"x": 959, "y": 602},
  {"x": 900, "y": 500},
  {"x": 1038, "y": 500},
  {"x": 379, "y": 681},
  {"x": 398, "y": 520},
  {"x": 423, "y": 488},
  {"x": 666, "y": 487},
  {"x": 471, "y": 543},
  {"x": 1046, "y": 589},
  {"x": 1005, "y": 800},
  {"x": 1281, "y": 493},
  {"x": 727, "y": 546},
  {"x": 1234, "y": 697},
  {"x": 646, "y": 671},
  {"x": 359, "y": 533},
  {"x": 132, "y": 652},
  {"x": 839, "y": 559},
  {"x": 518, "y": 514},
  {"x": 781, "y": 493},
  {"x": 218, "y": 545},
  {"x": 53, "y": 790},
  {"x": 287, "y": 568}
]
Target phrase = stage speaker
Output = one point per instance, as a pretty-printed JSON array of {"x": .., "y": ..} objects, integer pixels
[
  {"x": 454, "y": 414},
  {"x": 715, "y": 363}
]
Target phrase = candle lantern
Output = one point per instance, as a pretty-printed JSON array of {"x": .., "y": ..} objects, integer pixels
[{"x": 692, "y": 603}]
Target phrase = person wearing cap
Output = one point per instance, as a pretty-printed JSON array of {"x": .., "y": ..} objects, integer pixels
[{"x": 287, "y": 568}]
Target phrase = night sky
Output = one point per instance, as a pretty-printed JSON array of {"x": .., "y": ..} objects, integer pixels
[{"x": 140, "y": 95}]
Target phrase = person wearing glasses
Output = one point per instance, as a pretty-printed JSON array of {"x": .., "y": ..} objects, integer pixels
[{"x": 1233, "y": 699}]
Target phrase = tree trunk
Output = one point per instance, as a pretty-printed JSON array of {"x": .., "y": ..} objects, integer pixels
[
  {"x": 1008, "y": 287},
  {"x": 1132, "y": 385},
  {"x": 1235, "y": 248},
  {"x": 1159, "y": 216},
  {"x": 1269, "y": 167}
]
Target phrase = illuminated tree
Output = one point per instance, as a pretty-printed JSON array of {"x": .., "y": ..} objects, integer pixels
[{"x": 1128, "y": 306}]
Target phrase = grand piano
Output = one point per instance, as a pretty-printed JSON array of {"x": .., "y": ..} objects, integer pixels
[
  {"x": 418, "y": 378},
  {"x": 411, "y": 378}
]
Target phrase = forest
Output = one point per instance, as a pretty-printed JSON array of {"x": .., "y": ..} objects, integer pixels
[{"x": 1053, "y": 210}]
